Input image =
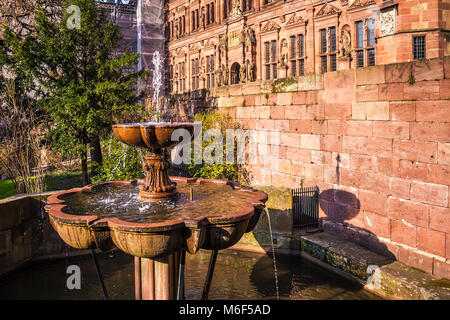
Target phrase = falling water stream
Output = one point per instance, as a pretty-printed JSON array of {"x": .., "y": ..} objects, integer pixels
[{"x": 273, "y": 253}]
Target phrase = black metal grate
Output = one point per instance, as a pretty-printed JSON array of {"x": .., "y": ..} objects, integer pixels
[
  {"x": 305, "y": 207},
  {"x": 419, "y": 47}
]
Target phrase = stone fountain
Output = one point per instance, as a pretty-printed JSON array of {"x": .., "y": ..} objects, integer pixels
[{"x": 156, "y": 220}]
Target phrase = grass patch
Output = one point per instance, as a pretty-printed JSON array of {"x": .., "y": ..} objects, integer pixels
[
  {"x": 6, "y": 188},
  {"x": 63, "y": 180},
  {"x": 53, "y": 181}
]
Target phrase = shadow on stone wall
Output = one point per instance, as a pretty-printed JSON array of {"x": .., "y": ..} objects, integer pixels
[{"x": 341, "y": 208}]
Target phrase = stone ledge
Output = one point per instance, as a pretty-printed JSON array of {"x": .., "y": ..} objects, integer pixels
[
  {"x": 397, "y": 281},
  {"x": 342, "y": 254}
]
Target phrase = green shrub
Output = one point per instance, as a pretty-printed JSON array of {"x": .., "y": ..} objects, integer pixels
[
  {"x": 233, "y": 171},
  {"x": 120, "y": 162}
]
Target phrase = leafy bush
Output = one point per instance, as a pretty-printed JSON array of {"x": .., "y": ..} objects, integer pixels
[
  {"x": 120, "y": 162},
  {"x": 226, "y": 171}
]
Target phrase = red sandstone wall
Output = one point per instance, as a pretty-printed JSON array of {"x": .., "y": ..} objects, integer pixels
[{"x": 377, "y": 146}]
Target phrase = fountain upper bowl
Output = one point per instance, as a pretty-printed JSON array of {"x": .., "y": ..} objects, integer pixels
[{"x": 151, "y": 135}]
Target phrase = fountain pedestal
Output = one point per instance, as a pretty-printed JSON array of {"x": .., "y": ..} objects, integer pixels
[
  {"x": 157, "y": 279},
  {"x": 157, "y": 184}
]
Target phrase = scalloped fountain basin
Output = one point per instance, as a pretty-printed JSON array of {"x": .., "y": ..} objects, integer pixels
[
  {"x": 159, "y": 218},
  {"x": 122, "y": 201},
  {"x": 112, "y": 214}
]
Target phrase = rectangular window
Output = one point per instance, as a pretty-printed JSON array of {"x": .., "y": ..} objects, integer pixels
[
  {"x": 323, "y": 41},
  {"x": 297, "y": 55},
  {"x": 268, "y": 72},
  {"x": 360, "y": 60},
  {"x": 210, "y": 71},
  {"x": 271, "y": 59},
  {"x": 365, "y": 42},
  {"x": 371, "y": 57},
  {"x": 324, "y": 64},
  {"x": 274, "y": 50},
  {"x": 294, "y": 68},
  {"x": 301, "y": 45},
  {"x": 419, "y": 47},
  {"x": 293, "y": 47},
  {"x": 359, "y": 34},
  {"x": 328, "y": 40},
  {"x": 197, "y": 20},
  {"x": 332, "y": 39},
  {"x": 370, "y": 32},
  {"x": 333, "y": 62},
  {"x": 195, "y": 74}
]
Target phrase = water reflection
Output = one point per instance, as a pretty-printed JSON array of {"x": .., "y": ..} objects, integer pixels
[{"x": 237, "y": 276}]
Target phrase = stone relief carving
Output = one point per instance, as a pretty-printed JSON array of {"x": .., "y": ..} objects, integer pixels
[
  {"x": 388, "y": 20},
  {"x": 344, "y": 2}
]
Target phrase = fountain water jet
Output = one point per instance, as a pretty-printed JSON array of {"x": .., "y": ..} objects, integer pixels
[{"x": 157, "y": 81}]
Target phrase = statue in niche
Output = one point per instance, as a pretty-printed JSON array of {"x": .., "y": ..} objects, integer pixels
[
  {"x": 177, "y": 31},
  {"x": 223, "y": 41},
  {"x": 236, "y": 12},
  {"x": 225, "y": 75},
  {"x": 203, "y": 17},
  {"x": 242, "y": 73},
  {"x": 345, "y": 44},
  {"x": 218, "y": 75},
  {"x": 250, "y": 70},
  {"x": 248, "y": 34},
  {"x": 284, "y": 53}
]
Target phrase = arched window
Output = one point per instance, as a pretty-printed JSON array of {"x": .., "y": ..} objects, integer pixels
[{"x": 235, "y": 67}]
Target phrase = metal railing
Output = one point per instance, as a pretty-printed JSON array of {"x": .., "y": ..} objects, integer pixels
[{"x": 305, "y": 207}]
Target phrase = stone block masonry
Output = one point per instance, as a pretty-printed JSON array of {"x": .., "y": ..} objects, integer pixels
[{"x": 376, "y": 141}]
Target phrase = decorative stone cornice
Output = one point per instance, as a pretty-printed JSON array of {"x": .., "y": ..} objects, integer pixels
[
  {"x": 270, "y": 26},
  {"x": 295, "y": 19},
  {"x": 327, "y": 10},
  {"x": 361, "y": 3}
]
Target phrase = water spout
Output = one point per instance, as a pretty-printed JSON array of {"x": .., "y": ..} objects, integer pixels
[{"x": 273, "y": 253}]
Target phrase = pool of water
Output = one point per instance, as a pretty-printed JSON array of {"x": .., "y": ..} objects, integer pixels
[{"x": 237, "y": 275}]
